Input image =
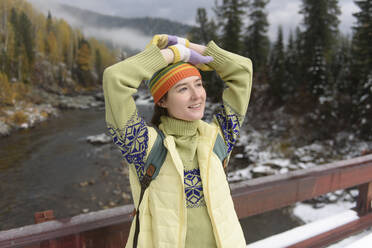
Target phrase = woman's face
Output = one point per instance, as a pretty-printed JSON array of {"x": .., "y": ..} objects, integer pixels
[{"x": 186, "y": 99}]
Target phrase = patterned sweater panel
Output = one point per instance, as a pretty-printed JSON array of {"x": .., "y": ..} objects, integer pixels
[
  {"x": 236, "y": 72},
  {"x": 127, "y": 129},
  {"x": 193, "y": 188}
]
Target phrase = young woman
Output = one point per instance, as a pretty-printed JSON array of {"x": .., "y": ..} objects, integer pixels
[{"x": 189, "y": 203}]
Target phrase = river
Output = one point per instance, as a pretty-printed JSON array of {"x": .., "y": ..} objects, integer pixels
[{"x": 52, "y": 166}]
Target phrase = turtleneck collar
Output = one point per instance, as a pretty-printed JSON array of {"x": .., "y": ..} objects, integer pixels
[{"x": 178, "y": 127}]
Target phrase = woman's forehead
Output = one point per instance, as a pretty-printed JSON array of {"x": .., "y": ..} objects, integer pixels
[{"x": 191, "y": 79}]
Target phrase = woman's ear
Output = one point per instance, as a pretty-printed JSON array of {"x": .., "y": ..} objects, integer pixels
[{"x": 161, "y": 103}]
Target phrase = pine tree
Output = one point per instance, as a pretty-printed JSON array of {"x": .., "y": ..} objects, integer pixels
[
  {"x": 65, "y": 41},
  {"x": 343, "y": 87},
  {"x": 15, "y": 54},
  {"x": 98, "y": 64},
  {"x": 256, "y": 41},
  {"x": 277, "y": 77},
  {"x": 229, "y": 15},
  {"x": 340, "y": 66},
  {"x": 361, "y": 66},
  {"x": 206, "y": 29},
  {"x": 4, "y": 37},
  {"x": 84, "y": 56},
  {"x": 49, "y": 23},
  {"x": 84, "y": 62},
  {"x": 202, "y": 20},
  {"x": 321, "y": 28},
  {"x": 292, "y": 66},
  {"x": 52, "y": 47},
  {"x": 361, "y": 46},
  {"x": 26, "y": 30}
]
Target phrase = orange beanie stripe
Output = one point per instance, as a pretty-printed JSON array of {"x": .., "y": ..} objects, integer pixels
[{"x": 163, "y": 80}]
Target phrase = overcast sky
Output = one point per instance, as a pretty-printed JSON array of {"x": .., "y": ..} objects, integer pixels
[
  {"x": 284, "y": 12},
  {"x": 280, "y": 12}
]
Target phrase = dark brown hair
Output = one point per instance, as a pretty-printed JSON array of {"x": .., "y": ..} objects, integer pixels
[{"x": 158, "y": 112}]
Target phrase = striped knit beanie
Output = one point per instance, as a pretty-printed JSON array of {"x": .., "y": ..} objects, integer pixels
[{"x": 163, "y": 80}]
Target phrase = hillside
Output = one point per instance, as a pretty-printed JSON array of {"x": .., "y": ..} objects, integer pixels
[
  {"x": 147, "y": 25},
  {"x": 44, "y": 60}
]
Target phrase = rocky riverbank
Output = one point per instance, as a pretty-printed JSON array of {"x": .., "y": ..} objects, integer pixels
[{"x": 27, "y": 114}]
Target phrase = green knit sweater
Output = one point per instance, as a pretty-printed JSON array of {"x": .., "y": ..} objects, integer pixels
[
  {"x": 199, "y": 228},
  {"x": 130, "y": 133}
]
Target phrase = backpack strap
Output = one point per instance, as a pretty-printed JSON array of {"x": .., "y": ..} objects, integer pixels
[
  {"x": 152, "y": 167},
  {"x": 157, "y": 155},
  {"x": 220, "y": 150}
]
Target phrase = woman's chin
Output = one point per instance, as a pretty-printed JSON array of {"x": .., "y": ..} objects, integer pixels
[{"x": 195, "y": 116}]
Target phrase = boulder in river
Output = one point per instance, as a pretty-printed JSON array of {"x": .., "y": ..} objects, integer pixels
[{"x": 4, "y": 129}]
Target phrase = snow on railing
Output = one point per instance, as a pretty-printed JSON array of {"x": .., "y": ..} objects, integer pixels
[{"x": 307, "y": 231}]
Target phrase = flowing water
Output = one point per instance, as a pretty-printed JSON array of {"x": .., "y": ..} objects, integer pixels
[{"x": 52, "y": 166}]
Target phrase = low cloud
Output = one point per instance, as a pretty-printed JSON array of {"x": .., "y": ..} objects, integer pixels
[
  {"x": 120, "y": 37},
  {"x": 124, "y": 37}
]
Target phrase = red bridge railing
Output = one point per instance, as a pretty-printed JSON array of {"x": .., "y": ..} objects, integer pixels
[{"x": 109, "y": 228}]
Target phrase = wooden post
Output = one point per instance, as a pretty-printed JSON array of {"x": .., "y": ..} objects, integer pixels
[
  {"x": 114, "y": 236},
  {"x": 71, "y": 241},
  {"x": 41, "y": 217},
  {"x": 44, "y": 216},
  {"x": 364, "y": 200}
]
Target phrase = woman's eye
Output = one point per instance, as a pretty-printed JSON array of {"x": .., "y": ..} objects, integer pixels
[{"x": 182, "y": 89}]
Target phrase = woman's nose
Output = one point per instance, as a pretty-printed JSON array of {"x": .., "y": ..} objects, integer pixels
[{"x": 195, "y": 92}]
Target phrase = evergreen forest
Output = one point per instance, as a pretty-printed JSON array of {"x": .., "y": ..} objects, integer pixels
[{"x": 317, "y": 72}]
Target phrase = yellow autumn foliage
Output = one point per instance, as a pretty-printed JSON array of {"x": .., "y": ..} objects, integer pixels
[
  {"x": 84, "y": 57},
  {"x": 19, "y": 118},
  {"x": 11, "y": 92},
  {"x": 6, "y": 92}
]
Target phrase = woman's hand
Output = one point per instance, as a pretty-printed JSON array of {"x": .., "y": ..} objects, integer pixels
[
  {"x": 167, "y": 55},
  {"x": 164, "y": 40},
  {"x": 198, "y": 48},
  {"x": 176, "y": 49},
  {"x": 182, "y": 53},
  {"x": 174, "y": 40}
]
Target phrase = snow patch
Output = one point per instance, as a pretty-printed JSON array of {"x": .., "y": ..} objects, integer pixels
[{"x": 98, "y": 139}]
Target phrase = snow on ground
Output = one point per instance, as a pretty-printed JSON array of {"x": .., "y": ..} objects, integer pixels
[
  {"x": 266, "y": 155},
  {"x": 307, "y": 231},
  {"x": 99, "y": 139},
  {"x": 363, "y": 240},
  {"x": 308, "y": 214},
  {"x": 318, "y": 221}
]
